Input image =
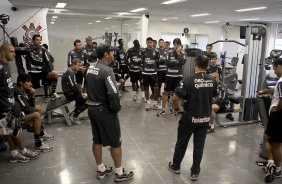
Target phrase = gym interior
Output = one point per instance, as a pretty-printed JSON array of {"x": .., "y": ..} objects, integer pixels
[{"x": 246, "y": 37}]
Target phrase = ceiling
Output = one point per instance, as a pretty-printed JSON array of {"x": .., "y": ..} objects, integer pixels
[{"x": 220, "y": 10}]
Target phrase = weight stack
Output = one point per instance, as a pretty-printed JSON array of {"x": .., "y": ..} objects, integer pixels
[{"x": 251, "y": 109}]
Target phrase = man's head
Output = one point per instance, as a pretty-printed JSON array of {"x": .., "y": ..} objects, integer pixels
[
  {"x": 201, "y": 63},
  {"x": 45, "y": 46},
  {"x": 149, "y": 42},
  {"x": 76, "y": 64},
  {"x": 105, "y": 53},
  {"x": 161, "y": 43},
  {"x": 136, "y": 44},
  {"x": 24, "y": 81},
  {"x": 36, "y": 40},
  {"x": 209, "y": 47},
  {"x": 213, "y": 59},
  {"x": 176, "y": 43},
  {"x": 277, "y": 67},
  {"x": 89, "y": 40},
  {"x": 167, "y": 43},
  {"x": 155, "y": 44},
  {"x": 120, "y": 42},
  {"x": 7, "y": 52},
  {"x": 77, "y": 45},
  {"x": 95, "y": 44}
]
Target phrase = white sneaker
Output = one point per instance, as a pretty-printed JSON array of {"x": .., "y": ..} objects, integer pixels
[{"x": 135, "y": 98}]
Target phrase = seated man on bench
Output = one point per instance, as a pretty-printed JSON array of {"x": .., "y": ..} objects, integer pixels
[
  {"x": 72, "y": 92},
  {"x": 24, "y": 95}
]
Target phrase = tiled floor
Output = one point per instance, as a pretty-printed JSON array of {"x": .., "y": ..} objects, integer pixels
[{"x": 148, "y": 144}]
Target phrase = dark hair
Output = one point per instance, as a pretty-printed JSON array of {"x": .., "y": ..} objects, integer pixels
[
  {"x": 45, "y": 46},
  {"x": 35, "y": 36},
  {"x": 202, "y": 62},
  {"x": 119, "y": 40},
  {"x": 136, "y": 44},
  {"x": 22, "y": 78},
  {"x": 155, "y": 41},
  {"x": 94, "y": 43},
  {"x": 277, "y": 62},
  {"x": 75, "y": 61},
  {"x": 209, "y": 45},
  {"x": 102, "y": 49},
  {"x": 76, "y": 41},
  {"x": 177, "y": 40},
  {"x": 149, "y": 39},
  {"x": 161, "y": 39},
  {"x": 214, "y": 55}
]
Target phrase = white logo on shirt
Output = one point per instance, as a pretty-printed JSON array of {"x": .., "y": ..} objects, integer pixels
[{"x": 112, "y": 84}]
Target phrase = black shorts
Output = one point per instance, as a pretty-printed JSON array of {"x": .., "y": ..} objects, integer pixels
[
  {"x": 124, "y": 69},
  {"x": 161, "y": 77},
  {"x": 117, "y": 77},
  {"x": 274, "y": 127},
  {"x": 135, "y": 76},
  {"x": 151, "y": 80},
  {"x": 37, "y": 77},
  {"x": 171, "y": 83},
  {"x": 105, "y": 126}
]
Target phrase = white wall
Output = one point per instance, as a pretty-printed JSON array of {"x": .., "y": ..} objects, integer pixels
[{"x": 67, "y": 29}]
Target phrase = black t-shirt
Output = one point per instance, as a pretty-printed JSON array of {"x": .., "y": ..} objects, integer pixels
[
  {"x": 213, "y": 69},
  {"x": 120, "y": 56},
  {"x": 6, "y": 88},
  {"x": 197, "y": 92}
]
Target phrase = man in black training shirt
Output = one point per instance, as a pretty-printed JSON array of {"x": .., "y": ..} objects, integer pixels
[
  {"x": 133, "y": 57},
  {"x": 123, "y": 65},
  {"x": 161, "y": 64},
  {"x": 77, "y": 52},
  {"x": 213, "y": 68},
  {"x": 104, "y": 104},
  {"x": 150, "y": 57},
  {"x": 90, "y": 50},
  {"x": 197, "y": 92},
  {"x": 208, "y": 51}
]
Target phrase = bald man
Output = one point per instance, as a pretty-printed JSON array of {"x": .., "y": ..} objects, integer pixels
[{"x": 89, "y": 50}]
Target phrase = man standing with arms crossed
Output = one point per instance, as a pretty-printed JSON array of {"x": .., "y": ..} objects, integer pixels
[{"x": 104, "y": 104}]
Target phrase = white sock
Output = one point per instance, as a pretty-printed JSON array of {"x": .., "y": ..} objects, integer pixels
[
  {"x": 14, "y": 153},
  {"x": 148, "y": 102},
  {"x": 270, "y": 162},
  {"x": 278, "y": 169},
  {"x": 101, "y": 167},
  {"x": 119, "y": 170},
  {"x": 212, "y": 125},
  {"x": 143, "y": 94},
  {"x": 24, "y": 151}
]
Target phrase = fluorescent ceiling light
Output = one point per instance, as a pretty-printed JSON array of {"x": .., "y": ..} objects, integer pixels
[
  {"x": 113, "y": 26},
  {"x": 138, "y": 23},
  {"x": 174, "y": 18},
  {"x": 126, "y": 24},
  {"x": 90, "y": 23},
  {"x": 54, "y": 17},
  {"x": 107, "y": 18},
  {"x": 98, "y": 21},
  {"x": 52, "y": 22},
  {"x": 211, "y": 22},
  {"x": 106, "y": 28},
  {"x": 251, "y": 9},
  {"x": 138, "y": 10},
  {"x": 57, "y": 11},
  {"x": 122, "y": 13},
  {"x": 61, "y": 5},
  {"x": 200, "y": 15},
  {"x": 250, "y": 19},
  {"x": 173, "y": 1},
  {"x": 164, "y": 19}
]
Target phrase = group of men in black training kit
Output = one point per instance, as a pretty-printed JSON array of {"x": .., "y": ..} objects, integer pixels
[{"x": 91, "y": 80}]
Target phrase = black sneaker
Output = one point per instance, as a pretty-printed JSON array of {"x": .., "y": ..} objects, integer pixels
[
  {"x": 210, "y": 130},
  {"x": 174, "y": 168},
  {"x": 124, "y": 177},
  {"x": 108, "y": 171},
  {"x": 194, "y": 176},
  {"x": 230, "y": 117},
  {"x": 269, "y": 177}
]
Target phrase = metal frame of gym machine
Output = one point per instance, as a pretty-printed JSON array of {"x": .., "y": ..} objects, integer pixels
[{"x": 252, "y": 79}]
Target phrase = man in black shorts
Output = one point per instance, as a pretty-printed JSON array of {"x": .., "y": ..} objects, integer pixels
[
  {"x": 104, "y": 104},
  {"x": 273, "y": 133},
  {"x": 176, "y": 59},
  {"x": 197, "y": 92},
  {"x": 161, "y": 64},
  {"x": 123, "y": 65},
  {"x": 133, "y": 57},
  {"x": 150, "y": 57}
]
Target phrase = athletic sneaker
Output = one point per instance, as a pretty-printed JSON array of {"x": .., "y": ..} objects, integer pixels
[
  {"x": 46, "y": 99},
  {"x": 148, "y": 107},
  {"x": 210, "y": 130},
  {"x": 75, "y": 120},
  {"x": 55, "y": 96},
  {"x": 173, "y": 112},
  {"x": 269, "y": 177},
  {"x": 31, "y": 154},
  {"x": 43, "y": 148},
  {"x": 108, "y": 171},
  {"x": 278, "y": 174},
  {"x": 155, "y": 107},
  {"x": 174, "y": 168},
  {"x": 124, "y": 177},
  {"x": 135, "y": 98},
  {"x": 194, "y": 176},
  {"x": 46, "y": 137},
  {"x": 19, "y": 158},
  {"x": 230, "y": 116},
  {"x": 161, "y": 112},
  {"x": 143, "y": 100}
]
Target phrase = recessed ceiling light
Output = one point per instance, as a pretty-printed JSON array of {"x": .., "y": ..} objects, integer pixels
[
  {"x": 113, "y": 26},
  {"x": 122, "y": 13},
  {"x": 138, "y": 10},
  {"x": 211, "y": 22},
  {"x": 61, "y": 5},
  {"x": 250, "y": 19},
  {"x": 164, "y": 19},
  {"x": 57, "y": 11},
  {"x": 98, "y": 21},
  {"x": 52, "y": 22},
  {"x": 106, "y": 28},
  {"x": 251, "y": 9},
  {"x": 174, "y": 18},
  {"x": 173, "y": 1},
  {"x": 108, "y": 18},
  {"x": 54, "y": 17},
  {"x": 200, "y": 15},
  {"x": 90, "y": 23}
]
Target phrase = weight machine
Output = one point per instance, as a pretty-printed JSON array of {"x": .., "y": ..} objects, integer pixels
[{"x": 108, "y": 37}]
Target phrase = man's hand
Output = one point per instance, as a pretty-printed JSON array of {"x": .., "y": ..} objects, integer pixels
[
  {"x": 82, "y": 69},
  {"x": 84, "y": 95},
  {"x": 261, "y": 92},
  {"x": 178, "y": 50},
  {"x": 32, "y": 92}
]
